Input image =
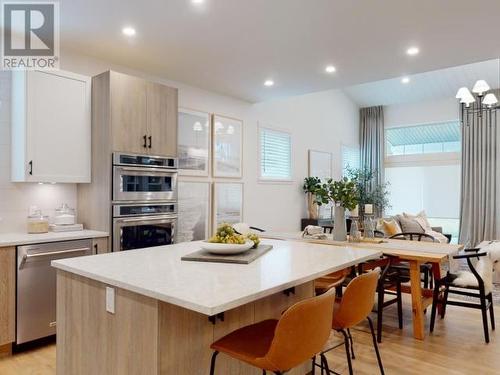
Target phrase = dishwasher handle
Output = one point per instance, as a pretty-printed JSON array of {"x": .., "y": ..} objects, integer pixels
[{"x": 51, "y": 253}]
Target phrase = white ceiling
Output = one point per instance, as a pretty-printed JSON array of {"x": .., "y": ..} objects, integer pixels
[
  {"x": 437, "y": 84},
  {"x": 232, "y": 46}
]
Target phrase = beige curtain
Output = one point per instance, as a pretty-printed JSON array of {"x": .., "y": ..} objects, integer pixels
[
  {"x": 479, "y": 209},
  {"x": 372, "y": 140}
]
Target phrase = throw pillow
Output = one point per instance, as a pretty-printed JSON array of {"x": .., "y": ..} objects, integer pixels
[
  {"x": 410, "y": 225},
  {"x": 421, "y": 217},
  {"x": 391, "y": 227}
]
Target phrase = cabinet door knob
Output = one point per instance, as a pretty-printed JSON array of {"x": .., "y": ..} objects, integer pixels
[
  {"x": 150, "y": 140},
  {"x": 31, "y": 167},
  {"x": 145, "y": 141}
]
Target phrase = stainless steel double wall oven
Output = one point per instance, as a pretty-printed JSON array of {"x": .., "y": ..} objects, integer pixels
[{"x": 144, "y": 201}]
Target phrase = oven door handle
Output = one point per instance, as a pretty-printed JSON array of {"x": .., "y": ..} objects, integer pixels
[
  {"x": 154, "y": 171},
  {"x": 155, "y": 219}
]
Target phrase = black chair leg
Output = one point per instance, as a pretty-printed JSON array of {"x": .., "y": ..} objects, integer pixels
[
  {"x": 435, "y": 301},
  {"x": 346, "y": 344},
  {"x": 375, "y": 345},
  {"x": 324, "y": 364},
  {"x": 380, "y": 311},
  {"x": 212, "y": 363},
  {"x": 445, "y": 301},
  {"x": 313, "y": 361},
  {"x": 492, "y": 313},
  {"x": 399, "y": 297},
  {"x": 352, "y": 345},
  {"x": 485, "y": 317},
  {"x": 426, "y": 278}
]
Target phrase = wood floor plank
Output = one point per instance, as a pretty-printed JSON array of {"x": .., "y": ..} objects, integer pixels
[{"x": 456, "y": 347}]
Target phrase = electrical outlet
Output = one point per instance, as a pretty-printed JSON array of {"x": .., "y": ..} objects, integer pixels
[{"x": 110, "y": 300}]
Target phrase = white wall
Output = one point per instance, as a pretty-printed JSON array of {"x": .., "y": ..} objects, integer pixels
[
  {"x": 321, "y": 121},
  {"x": 421, "y": 112}
]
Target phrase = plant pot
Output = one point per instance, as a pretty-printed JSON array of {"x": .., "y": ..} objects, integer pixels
[
  {"x": 312, "y": 206},
  {"x": 339, "y": 226}
]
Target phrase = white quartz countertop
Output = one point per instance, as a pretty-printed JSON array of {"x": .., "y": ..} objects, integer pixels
[
  {"x": 15, "y": 239},
  {"x": 212, "y": 288}
]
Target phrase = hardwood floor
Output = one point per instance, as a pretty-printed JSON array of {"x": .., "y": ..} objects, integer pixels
[{"x": 456, "y": 347}]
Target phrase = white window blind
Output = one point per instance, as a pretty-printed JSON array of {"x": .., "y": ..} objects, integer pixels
[
  {"x": 350, "y": 158},
  {"x": 275, "y": 155}
]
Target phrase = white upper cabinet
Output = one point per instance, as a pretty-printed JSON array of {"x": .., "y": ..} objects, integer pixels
[{"x": 51, "y": 125}]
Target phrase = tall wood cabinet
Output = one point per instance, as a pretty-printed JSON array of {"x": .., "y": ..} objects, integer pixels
[
  {"x": 143, "y": 116},
  {"x": 130, "y": 115}
]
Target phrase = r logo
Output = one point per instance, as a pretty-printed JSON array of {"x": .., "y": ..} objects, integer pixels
[{"x": 29, "y": 29}]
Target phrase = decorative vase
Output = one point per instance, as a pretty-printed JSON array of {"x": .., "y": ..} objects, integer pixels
[
  {"x": 312, "y": 206},
  {"x": 339, "y": 227}
]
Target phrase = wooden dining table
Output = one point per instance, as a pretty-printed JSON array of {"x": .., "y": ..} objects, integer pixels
[{"x": 415, "y": 253}]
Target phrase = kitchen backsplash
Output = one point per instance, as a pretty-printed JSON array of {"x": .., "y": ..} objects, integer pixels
[{"x": 16, "y": 198}]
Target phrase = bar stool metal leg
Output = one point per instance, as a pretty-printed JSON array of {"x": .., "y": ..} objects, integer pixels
[
  {"x": 212, "y": 363},
  {"x": 375, "y": 345},
  {"x": 352, "y": 345},
  {"x": 347, "y": 352}
]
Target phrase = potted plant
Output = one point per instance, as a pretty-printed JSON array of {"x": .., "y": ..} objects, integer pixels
[
  {"x": 369, "y": 191},
  {"x": 343, "y": 195},
  {"x": 311, "y": 187}
]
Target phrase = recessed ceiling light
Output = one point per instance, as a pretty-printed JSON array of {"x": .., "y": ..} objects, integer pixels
[
  {"x": 405, "y": 80},
  {"x": 197, "y": 1},
  {"x": 330, "y": 69},
  {"x": 128, "y": 31},
  {"x": 412, "y": 51},
  {"x": 269, "y": 83}
]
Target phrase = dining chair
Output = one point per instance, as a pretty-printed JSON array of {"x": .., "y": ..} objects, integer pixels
[
  {"x": 389, "y": 284},
  {"x": 425, "y": 269},
  {"x": 354, "y": 307},
  {"x": 280, "y": 345},
  {"x": 474, "y": 280}
]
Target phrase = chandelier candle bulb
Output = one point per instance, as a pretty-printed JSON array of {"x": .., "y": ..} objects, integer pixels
[
  {"x": 462, "y": 93},
  {"x": 480, "y": 87},
  {"x": 490, "y": 100}
]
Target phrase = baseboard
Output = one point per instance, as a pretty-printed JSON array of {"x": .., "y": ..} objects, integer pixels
[{"x": 5, "y": 350}]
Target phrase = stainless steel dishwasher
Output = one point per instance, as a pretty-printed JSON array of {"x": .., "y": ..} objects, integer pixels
[{"x": 36, "y": 286}]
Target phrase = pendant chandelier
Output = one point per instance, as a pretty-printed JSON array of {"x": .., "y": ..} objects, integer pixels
[{"x": 479, "y": 101}]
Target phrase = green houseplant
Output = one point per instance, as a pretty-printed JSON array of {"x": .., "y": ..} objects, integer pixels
[
  {"x": 311, "y": 187},
  {"x": 369, "y": 191},
  {"x": 343, "y": 195}
]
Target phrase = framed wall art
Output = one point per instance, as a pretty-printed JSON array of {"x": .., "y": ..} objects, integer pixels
[
  {"x": 227, "y": 147},
  {"x": 193, "y": 142},
  {"x": 193, "y": 211},
  {"x": 228, "y": 203}
]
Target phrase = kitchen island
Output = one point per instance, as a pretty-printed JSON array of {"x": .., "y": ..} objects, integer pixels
[{"x": 147, "y": 312}]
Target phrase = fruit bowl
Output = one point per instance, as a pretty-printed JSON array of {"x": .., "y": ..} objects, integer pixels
[{"x": 226, "y": 248}]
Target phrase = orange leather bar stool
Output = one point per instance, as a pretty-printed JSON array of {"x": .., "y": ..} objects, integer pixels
[
  {"x": 329, "y": 281},
  {"x": 354, "y": 307},
  {"x": 280, "y": 345}
]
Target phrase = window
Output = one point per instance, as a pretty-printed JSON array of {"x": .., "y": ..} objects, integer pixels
[
  {"x": 275, "y": 155},
  {"x": 350, "y": 158},
  {"x": 423, "y": 139},
  {"x": 423, "y": 170}
]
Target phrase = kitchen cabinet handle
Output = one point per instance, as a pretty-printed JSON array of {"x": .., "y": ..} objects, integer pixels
[
  {"x": 96, "y": 249},
  {"x": 145, "y": 137},
  {"x": 31, "y": 167},
  {"x": 150, "y": 140}
]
